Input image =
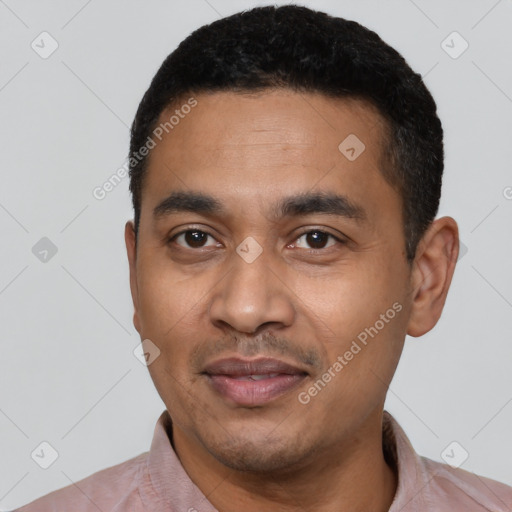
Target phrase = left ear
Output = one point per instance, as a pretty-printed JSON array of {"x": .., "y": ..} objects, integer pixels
[{"x": 432, "y": 273}]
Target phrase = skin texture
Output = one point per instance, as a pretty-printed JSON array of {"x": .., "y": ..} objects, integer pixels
[{"x": 299, "y": 302}]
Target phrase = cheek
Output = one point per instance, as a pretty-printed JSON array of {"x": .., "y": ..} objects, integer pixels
[
  {"x": 166, "y": 299},
  {"x": 360, "y": 300},
  {"x": 343, "y": 299},
  {"x": 168, "y": 312},
  {"x": 172, "y": 315}
]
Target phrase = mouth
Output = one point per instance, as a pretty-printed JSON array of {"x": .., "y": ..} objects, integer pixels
[{"x": 253, "y": 383}]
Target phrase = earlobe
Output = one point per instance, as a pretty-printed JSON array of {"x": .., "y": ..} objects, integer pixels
[
  {"x": 131, "y": 250},
  {"x": 432, "y": 273}
]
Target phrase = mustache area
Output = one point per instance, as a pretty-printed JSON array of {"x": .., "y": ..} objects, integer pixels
[{"x": 265, "y": 345}]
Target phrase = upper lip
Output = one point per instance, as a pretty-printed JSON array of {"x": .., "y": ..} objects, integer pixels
[{"x": 238, "y": 367}]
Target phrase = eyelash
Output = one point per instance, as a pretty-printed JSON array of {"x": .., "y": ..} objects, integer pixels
[{"x": 339, "y": 240}]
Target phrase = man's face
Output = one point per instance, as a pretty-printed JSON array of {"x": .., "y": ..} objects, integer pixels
[{"x": 332, "y": 271}]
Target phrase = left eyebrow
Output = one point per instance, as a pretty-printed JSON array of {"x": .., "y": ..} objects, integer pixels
[{"x": 319, "y": 202}]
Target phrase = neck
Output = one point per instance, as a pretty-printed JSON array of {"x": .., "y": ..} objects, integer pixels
[{"x": 351, "y": 476}]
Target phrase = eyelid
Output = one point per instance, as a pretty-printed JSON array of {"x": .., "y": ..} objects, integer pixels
[
  {"x": 190, "y": 227},
  {"x": 338, "y": 237}
]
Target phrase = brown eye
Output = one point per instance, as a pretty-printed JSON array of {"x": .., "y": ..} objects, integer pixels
[
  {"x": 192, "y": 238},
  {"x": 316, "y": 239}
]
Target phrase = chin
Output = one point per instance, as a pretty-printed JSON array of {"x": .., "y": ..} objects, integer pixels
[{"x": 258, "y": 454}]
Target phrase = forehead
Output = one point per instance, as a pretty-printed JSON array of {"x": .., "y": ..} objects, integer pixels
[
  {"x": 245, "y": 147},
  {"x": 223, "y": 121}
]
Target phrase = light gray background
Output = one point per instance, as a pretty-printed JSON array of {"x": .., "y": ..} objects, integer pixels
[{"x": 68, "y": 373}]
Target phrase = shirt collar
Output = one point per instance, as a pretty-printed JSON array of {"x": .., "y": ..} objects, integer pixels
[
  {"x": 170, "y": 482},
  {"x": 399, "y": 452}
]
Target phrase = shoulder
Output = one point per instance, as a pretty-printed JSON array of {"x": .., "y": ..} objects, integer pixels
[
  {"x": 104, "y": 490},
  {"x": 430, "y": 486},
  {"x": 468, "y": 491}
]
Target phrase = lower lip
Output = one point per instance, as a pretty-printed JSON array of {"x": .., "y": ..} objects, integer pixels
[{"x": 254, "y": 392}]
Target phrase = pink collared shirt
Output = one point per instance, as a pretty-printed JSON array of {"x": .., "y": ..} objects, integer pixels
[{"x": 156, "y": 481}]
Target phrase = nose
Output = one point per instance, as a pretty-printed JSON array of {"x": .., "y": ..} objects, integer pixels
[{"x": 250, "y": 296}]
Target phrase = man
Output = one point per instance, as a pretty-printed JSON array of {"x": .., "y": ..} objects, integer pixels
[{"x": 286, "y": 171}]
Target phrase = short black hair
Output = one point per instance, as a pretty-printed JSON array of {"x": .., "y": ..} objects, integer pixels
[{"x": 303, "y": 50}]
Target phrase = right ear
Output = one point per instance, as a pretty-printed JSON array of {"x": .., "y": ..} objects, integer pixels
[{"x": 131, "y": 250}]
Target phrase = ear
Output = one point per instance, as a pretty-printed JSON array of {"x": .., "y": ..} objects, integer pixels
[
  {"x": 131, "y": 250},
  {"x": 432, "y": 274}
]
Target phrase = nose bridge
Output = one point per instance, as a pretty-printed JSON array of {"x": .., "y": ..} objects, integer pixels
[
  {"x": 251, "y": 271},
  {"x": 251, "y": 294}
]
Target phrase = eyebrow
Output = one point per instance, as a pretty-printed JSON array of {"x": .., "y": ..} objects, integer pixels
[
  {"x": 188, "y": 202},
  {"x": 291, "y": 206},
  {"x": 319, "y": 202}
]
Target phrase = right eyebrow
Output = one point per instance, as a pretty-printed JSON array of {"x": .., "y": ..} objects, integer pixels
[{"x": 188, "y": 202}]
